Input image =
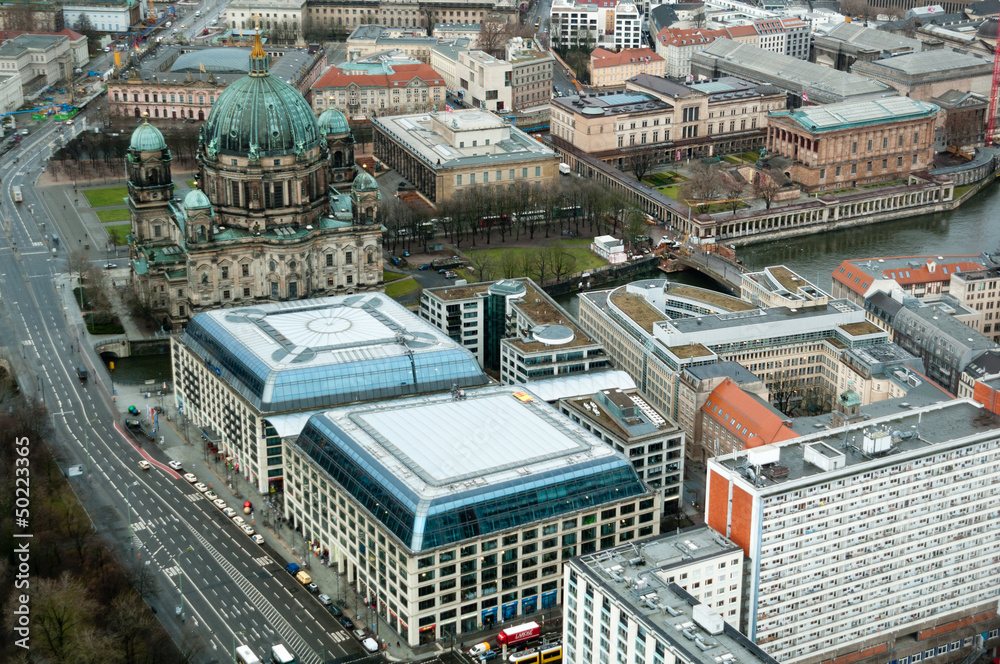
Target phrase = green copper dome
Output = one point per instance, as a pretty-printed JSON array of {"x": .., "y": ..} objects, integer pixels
[
  {"x": 364, "y": 182},
  {"x": 260, "y": 115},
  {"x": 196, "y": 200},
  {"x": 147, "y": 138},
  {"x": 332, "y": 121}
]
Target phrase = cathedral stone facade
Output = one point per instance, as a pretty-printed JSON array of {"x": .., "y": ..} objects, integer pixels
[{"x": 281, "y": 212}]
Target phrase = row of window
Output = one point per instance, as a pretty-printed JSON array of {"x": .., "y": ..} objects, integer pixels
[{"x": 499, "y": 175}]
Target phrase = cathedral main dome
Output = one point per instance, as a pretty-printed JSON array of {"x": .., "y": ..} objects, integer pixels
[{"x": 260, "y": 115}]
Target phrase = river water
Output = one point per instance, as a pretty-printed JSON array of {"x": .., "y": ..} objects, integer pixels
[{"x": 971, "y": 229}]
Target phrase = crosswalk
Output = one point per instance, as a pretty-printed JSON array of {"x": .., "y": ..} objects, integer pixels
[
  {"x": 339, "y": 635},
  {"x": 194, "y": 496},
  {"x": 306, "y": 654},
  {"x": 263, "y": 561}
]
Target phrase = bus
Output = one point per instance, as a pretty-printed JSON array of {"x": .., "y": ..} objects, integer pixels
[
  {"x": 495, "y": 220},
  {"x": 530, "y": 216},
  {"x": 17, "y": 194},
  {"x": 546, "y": 655},
  {"x": 568, "y": 211}
]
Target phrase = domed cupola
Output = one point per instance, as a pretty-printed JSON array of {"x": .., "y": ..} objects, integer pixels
[
  {"x": 196, "y": 200},
  {"x": 147, "y": 138},
  {"x": 364, "y": 182},
  {"x": 333, "y": 122},
  {"x": 259, "y": 115}
]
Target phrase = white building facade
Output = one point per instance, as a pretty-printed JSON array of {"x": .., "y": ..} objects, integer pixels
[
  {"x": 605, "y": 23},
  {"x": 877, "y": 537}
]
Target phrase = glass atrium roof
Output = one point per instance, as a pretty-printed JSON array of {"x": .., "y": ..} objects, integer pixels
[
  {"x": 323, "y": 352},
  {"x": 437, "y": 470}
]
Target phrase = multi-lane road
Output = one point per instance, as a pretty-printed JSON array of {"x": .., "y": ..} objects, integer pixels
[{"x": 234, "y": 590}]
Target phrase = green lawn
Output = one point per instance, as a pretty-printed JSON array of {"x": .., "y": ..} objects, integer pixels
[
  {"x": 102, "y": 197},
  {"x": 732, "y": 159},
  {"x": 751, "y": 157},
  {"x": 120, "y": 214},
  {"x": 577, "y": 242},
  {"x": 960, "y": 191},
  {"x": 670, "y": 192},
  {"x": 192, "y": 183},
  {"x": 401, "y": 287},
  {"x": 388, "y": 276},
  {"x": 118, "y": 233},
  {"x": 584, "y": 259}
]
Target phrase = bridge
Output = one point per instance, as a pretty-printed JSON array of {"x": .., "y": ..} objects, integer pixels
[{"x": 722, "y": 270}]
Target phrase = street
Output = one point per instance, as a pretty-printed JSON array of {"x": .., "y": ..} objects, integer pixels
[{"x": 234, "y": 591}]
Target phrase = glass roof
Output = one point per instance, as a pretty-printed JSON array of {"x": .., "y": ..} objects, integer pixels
[
  {"x": 475, "y": 509},
  {"x": 320, "y": 353}
]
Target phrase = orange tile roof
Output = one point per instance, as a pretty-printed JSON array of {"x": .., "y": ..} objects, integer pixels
[
  {"x": 689, "y": 36},
  {"x": 903, "y": 275},
  {"x": 402, "y": 74},
  {"x": 745, "y": 417},
  {"x": 742, "y": 31},
  {"x": 604, "y": 58}
]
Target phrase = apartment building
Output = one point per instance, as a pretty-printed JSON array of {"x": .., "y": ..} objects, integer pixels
[
  {"x": 608, "y": 24},
  {"x": 798, "y": 37},
  {"x": 655, "y": 599},
  {"x": 610, "y": 69},
  {"x": 923, "y": 277},
  {"x": 464, "y": 508},
  {"x": 977, "y": 290},
  {"x": 514, "y": 329},
  {"x": 657, "y": 114},
  {"x": 872, "y": 540},
  {"x": 531, "y": 73},
  {"x": 649, "y": 439}
]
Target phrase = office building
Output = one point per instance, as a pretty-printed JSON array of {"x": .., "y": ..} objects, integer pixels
[
  {"x": 383, "y": 88},
  {"x": 531, "y": 73},
  {"x": 608, "y": 24},
  {"x": 41, "y": 60},
  {"x": 514, "y": 328},
  {"x": 651, "y": 441},
  {"x": 674, "y": 598},
  {"x": 854, "y": 143},
  {"x": 855, "y": 552},
  {"x": 453, "y": 512},
  {"x": 444, "y": 153},
  {"x": 485, "y": 81},
  {"x": 235, "y": 369}
]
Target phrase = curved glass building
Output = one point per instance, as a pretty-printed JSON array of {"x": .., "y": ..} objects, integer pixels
[{"x": 493, "y": 478}]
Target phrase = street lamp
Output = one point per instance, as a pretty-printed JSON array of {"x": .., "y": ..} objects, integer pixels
[
  {"x": 180, "y": 577},
  {"x": 129, "y": 503},
  {"x": 241, "y": 633}
]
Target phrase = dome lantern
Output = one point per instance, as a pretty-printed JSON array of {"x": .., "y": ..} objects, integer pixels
[
  {"x": 147, "y": 138},
  {"x": 258, "y": 56}
]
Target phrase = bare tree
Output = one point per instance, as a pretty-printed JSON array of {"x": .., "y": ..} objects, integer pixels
[
  {"x": 634, "y": 227},
  {"x": 492, "y": 36},
  {"x": 703, "y": 185},
  {"x": 734, "y": 187},
  {"x": 131, "y": 624},
  {"x": 510, "y": 264},
  {"x": 766, "y": 185},
  {"x": 641, "y": 163},
  {"x": 561, "y": 262},
  {"x": 483, "y": 265},
  {"x": 61, "y": 610}
]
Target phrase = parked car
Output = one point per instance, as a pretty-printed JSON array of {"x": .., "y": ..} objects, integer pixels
[
  {"x": 325, "y": 599},
  {"x": 257, "y": 539},
  {"x": 425, "y": 266},
  {"x": 248, "y": 530},
  {"x": 335, "y": 610},
  {"x": 220, "y": 503},
  {"x": 487, "y": 656},
  {"x": 202, "y": 488},
  {"x": 451, "y": 274},
  {"x": 229, "y": 511},
  {"x": 176, "y": 465},
  {"x": 360, "y": 634},
  {"x": 346, "y": 622},
  {"x": 211, "y": 496},
  {"x": 371, "y": 645},
  {"x": 569, "y": 233},
  {"x": 313, "y": 588},
  {"x": 238, "y": 520}
]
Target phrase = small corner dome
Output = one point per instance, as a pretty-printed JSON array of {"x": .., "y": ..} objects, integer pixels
[
  {"x": 332, "y": 121},
  {"x": 364, "y": 182},
  {"x": 147, "y": 138},
  {"x": 196, "y": 200}
]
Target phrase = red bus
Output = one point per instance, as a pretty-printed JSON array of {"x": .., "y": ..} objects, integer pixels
[
  {"x": 495, "y": 220},
  {"x": 519, "y": 634}
]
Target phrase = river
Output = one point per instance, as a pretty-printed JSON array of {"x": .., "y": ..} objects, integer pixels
[{"x": 971, "y": 229}]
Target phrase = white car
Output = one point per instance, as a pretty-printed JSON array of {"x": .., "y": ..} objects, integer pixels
[
  {"x": 190, "y": 477},
  {"x": 229, "y": 511},
  {"x": 257, "y": 539},
  {"x": 325, "y": 600},
  {"x": 210, "y": 495},
  {"x": 219, "y": 502},
  {"x": 370, "y": 644},
  {"x": 144, "y": 465},
  {"x": 238, "y": 520},
  {"x": 247, "y": 529},
  {"x": 176, "y": 465},
  {"x": 201, "y": 487}
]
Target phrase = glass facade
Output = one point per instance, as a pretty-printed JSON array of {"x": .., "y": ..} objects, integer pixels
[
  {"x": 424, "y": 524},
  {"x": 368, "y": 378}
]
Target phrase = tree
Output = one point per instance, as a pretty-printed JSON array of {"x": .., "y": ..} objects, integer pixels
[
  {"x": 510, "y": 264},
  {"x": 85, "y": 27},
  {"x": 131, "y": 625},
  {"x": 492, "y": 36},
  {"x": 61, "y": 609},
  {"x": 766, "y": 186},
  {"x": 561, "y": 262},
  {"x": 734, "y": 187},
  {"x": 634, "y": 227},
  {"x": 702, "y": 186},
  {"x": 482, "y": 264},
  {"x": 640, "y": 163}
]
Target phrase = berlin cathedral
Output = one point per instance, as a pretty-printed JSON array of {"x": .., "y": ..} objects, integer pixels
[{"x": 280, "y": 212}]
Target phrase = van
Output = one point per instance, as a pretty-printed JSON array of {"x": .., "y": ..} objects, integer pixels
[
  {"x": 81, "y": 373},
  {"x": 303, "y": 578},
  {"x": 245, "y": 656}
]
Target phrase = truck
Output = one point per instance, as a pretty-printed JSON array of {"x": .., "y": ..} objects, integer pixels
[
  {"x": 292, "y": 568},
  {"x": 564, "y": 169},
  {"x": 281, "y": 655},
  {"x": 512, "y": 636},
  {"x": 245, "y": 656}
]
